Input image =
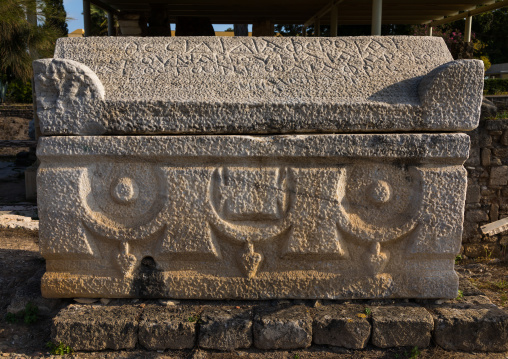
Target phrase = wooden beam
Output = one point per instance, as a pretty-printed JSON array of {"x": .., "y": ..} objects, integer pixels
[
  {"x": 334, "y": 19},
  {"x": 377, "y": 17},
  {"x": 317, "y": 27},
  {"x": 86, "y": 17},
  {"x": 111, "y": 24},
  {"x": 322, "y": 12},
  {"x": 104, "y": 6},
  {"x": 467, "y": 30},
  {"x": 466, "y": 14}
]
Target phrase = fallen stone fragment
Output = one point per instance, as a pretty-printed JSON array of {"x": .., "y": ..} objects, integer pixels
[
  {"x": 469, "y": 327},
  {"x": 225, "y": 328},
  {"x": 283, "y": 328},
  {"x": 86, "y": 300},
  {"x": 340, "y": 325},
  {"x": 164, "y": 327},
  {"x": 12, "y": 221},
  {"x": 95, "y": 327},
  {"x": 401, "y": 326},
  {"x": 169, "y": 302}
]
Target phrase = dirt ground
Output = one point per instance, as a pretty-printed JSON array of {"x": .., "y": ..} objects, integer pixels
[
  {"x": 20, "y": 261},
  {"x": 13, "y": 128}
]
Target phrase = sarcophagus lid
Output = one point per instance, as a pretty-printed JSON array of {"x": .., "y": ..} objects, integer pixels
[{"x": 198, "y": 85}]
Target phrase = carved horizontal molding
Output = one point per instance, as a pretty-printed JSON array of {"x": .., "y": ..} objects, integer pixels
[{"x": 421, "y": 148}]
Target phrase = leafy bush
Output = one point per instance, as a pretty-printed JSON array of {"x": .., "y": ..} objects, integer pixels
[
  {"x": 59, "y": 349},
  {"x": 19, "y": 91},
  {"x": 29, "y": 315},
  {"x": 495, "y": 87}
]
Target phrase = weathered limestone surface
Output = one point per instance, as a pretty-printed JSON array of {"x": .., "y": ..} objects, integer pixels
[
  {"x": 401, "y": 326},
  {"x": 205, "y": 85},
  {"x": 465, "y": 327},
  {"x": 283, "y": 328},
  {"x": 214, "y": 213},
  {"x": 96, "y": 327},
  {"x": 302, "y": 216},
  {"x": 163, "y": 328},
  {"x": 225, "y": 328},
  {"x": 341, "y": 326}
]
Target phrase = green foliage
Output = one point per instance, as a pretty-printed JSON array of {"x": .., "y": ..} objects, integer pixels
[
  {"x": 11, "y": 318},
  {"x": 490, "y": 28},
  {"x": 458, "y": 258},
  {"x": 486, "y": 62},
  {"x": 495, "y": 87},
  {"x": 502, "y": 284},
  {"x": 19, "y": 91},
  {"x": 414, "y": 353},
  {"x": 59, "y": 349},
  {"x": 460, "y": 295},
  {"x": 98, "y": 21},
  {"x": 194, "y": 319},
  {"x": 503, "y": 298},
  {"x": 22, "y": 41},
  {"x": 367, "y": 311},
  {"x": 55, "y": 16},
  {"x": 29, "y": 315},
  {"x": 296, "y": 356},
  {"x": 502, "y": 115}
]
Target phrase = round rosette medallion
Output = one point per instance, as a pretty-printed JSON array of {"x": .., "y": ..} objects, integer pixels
[
  {"x": 123, "y": 200},
  {"x": 379, "y": 202}
]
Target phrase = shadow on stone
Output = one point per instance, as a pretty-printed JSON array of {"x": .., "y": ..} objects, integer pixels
[{"x": 148, "y": 280}]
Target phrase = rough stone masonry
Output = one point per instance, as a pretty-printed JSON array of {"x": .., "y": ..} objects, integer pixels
[{"x": 253, "y": 168}]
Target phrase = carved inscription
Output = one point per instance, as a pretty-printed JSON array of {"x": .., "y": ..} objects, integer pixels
[
  {"x": 255, "y": 68},
  {"x": 254, "y": 57}
]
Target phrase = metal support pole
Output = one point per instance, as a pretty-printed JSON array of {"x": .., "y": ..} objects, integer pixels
[
  {"x": 241, "y": 30},
  {"x": 377, "y": 10},
  {"x": 86, "y": 16},
  {"x": 304, "y": 31},
  {"x": 430, "y": 31},
  {"x": 467, "y": 31},
  {"x": 334, "y": 16},
  {"x": 111, "y": 24},
  {"x": 317, "y": 27}
]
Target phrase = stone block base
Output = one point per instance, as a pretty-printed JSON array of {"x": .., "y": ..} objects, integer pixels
[
  {"x": 472, "y": 324},
  {"x": 397, "y": 326},
  {"x": 242, "y": 217},
  {"x": 467, "y": 328}
]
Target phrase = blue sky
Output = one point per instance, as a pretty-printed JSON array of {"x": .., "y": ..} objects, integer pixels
[{"x": 74, "y": 9}]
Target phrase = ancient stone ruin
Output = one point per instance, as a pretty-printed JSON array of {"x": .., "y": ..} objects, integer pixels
[{"x": 253, "y": 168}]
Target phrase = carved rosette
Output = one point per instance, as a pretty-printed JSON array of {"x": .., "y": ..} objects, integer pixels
[
  {"x": 379, "y": 203},
  {"x": 122, "y": 203}
]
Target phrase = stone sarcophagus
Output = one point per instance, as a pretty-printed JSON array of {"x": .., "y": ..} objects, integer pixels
[{"x": 253, "y": 168}]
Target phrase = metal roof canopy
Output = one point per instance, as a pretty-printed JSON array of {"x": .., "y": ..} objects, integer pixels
[{"x": 350, "y": 12}]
